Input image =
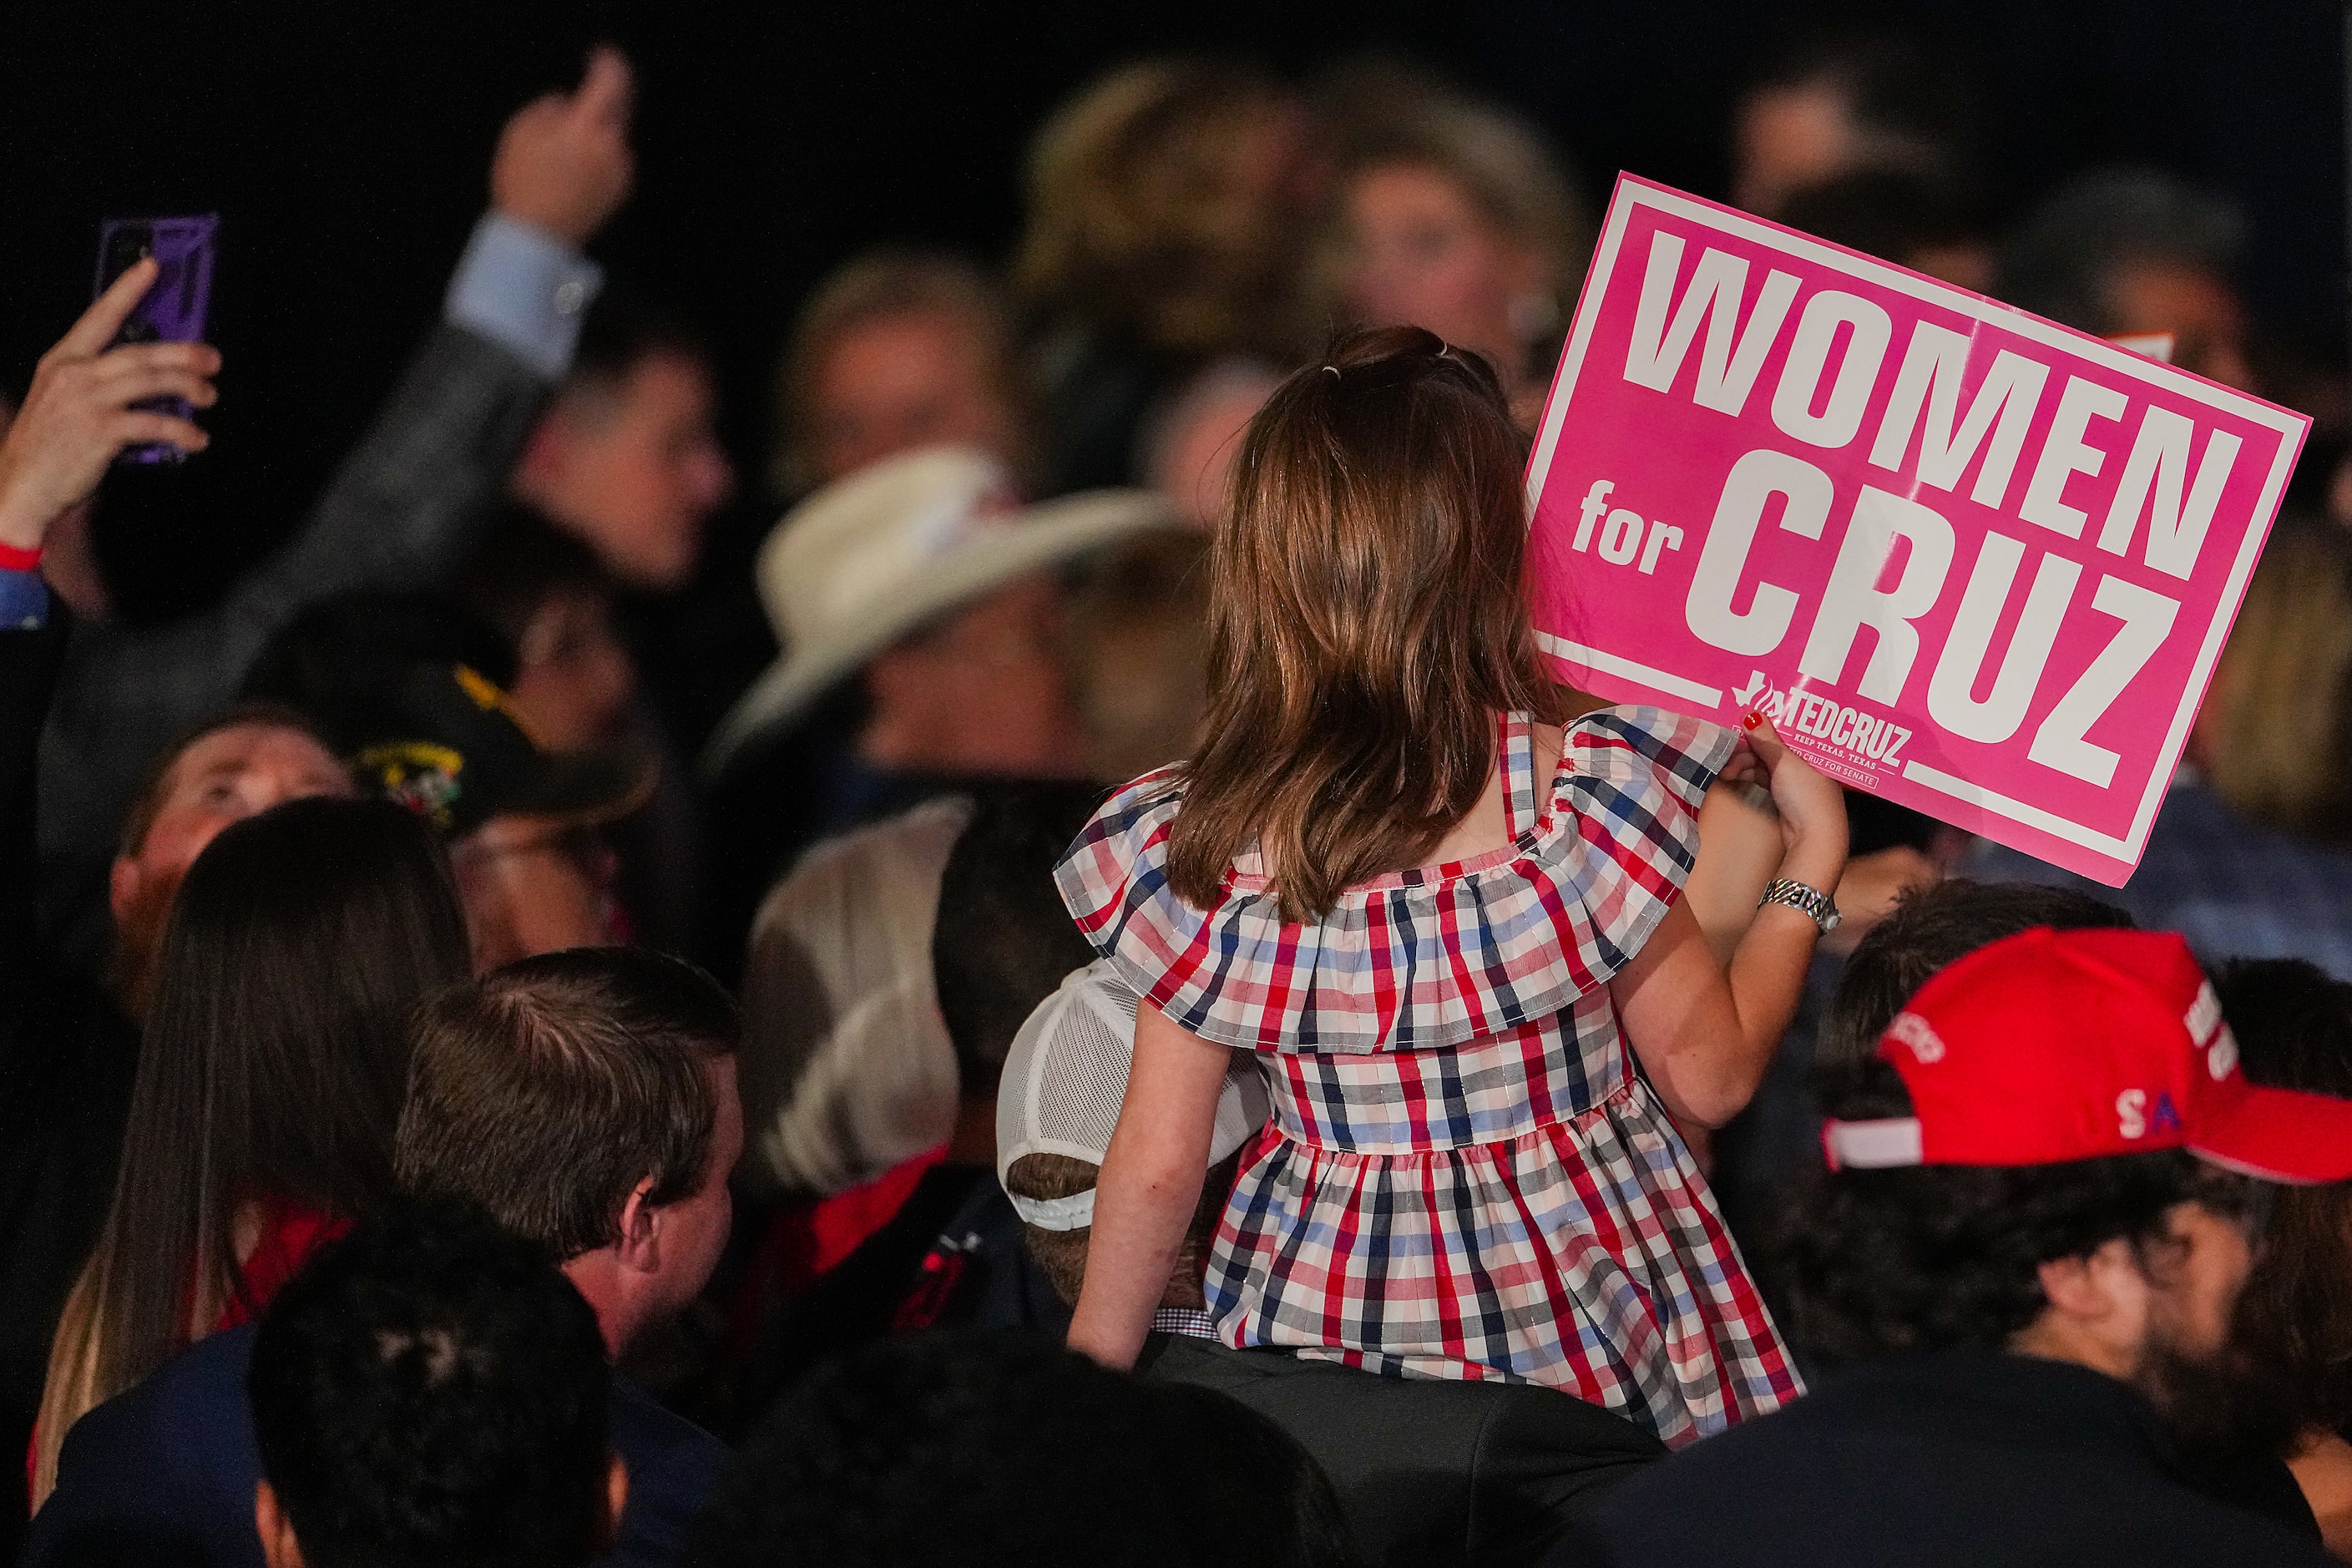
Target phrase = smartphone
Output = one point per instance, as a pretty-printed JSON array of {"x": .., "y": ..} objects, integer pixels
[{"x": 174, "y": 309}]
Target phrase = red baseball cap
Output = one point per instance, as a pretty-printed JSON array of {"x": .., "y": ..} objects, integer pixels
[{"x": 2052, "y": 1046}]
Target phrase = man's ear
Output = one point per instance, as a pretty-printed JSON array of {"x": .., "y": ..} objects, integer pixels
[
  {"x": 279, "y": 1547},
  {"x": 2066, "y": 1285},
  {"x": 122, "y": 879},
  {"x": 2095, "y": 1313},
  {"x": 639, "y": 1246},
  {"x": 616, "y": 1497},
  {"x": 2090, "y": 1289}
]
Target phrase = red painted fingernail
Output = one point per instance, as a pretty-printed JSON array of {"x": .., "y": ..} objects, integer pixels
[{"x": 1755, "y": 717}]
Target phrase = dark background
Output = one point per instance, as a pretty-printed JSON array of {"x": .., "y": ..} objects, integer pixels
[{"x": 346, "y": 146}]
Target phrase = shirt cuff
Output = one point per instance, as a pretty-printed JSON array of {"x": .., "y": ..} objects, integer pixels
[
  {"x": 525, "y": 290},
  {"x": 23, "y": 601}
]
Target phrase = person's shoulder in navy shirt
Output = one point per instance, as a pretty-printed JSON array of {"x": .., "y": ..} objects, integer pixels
[
  {"x": 1966, "y": 1458},
  {"x": 170, "y": 1467}
]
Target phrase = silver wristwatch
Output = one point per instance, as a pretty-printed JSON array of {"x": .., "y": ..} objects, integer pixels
[{"x": 1805, "y": 900}]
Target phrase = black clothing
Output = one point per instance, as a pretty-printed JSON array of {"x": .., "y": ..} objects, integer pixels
[
  {"x": 67, "y": 1056},
  {"x": 171, "y": 1465},
  {"x": 979, "y": 1275},
  {"x": 1763, "y": 1153},
  {"x": 1968, "y": 1459},
  {"x": 781, "y": 796},
  {"x": 1428, "y": 1471},
  {"x": 1098, "y": 388},
  {"x": 950, "y": 1258}
]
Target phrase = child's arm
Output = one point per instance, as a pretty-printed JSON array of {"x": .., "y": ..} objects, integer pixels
[
  {"x": 1739, "y": 853},
  {"x": 1150, "y": 1185},
  {"x": 1705, "y": 1032}
]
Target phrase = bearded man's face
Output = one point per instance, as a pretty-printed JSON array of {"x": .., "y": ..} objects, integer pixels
[{"x": 2219, "y": 1396}]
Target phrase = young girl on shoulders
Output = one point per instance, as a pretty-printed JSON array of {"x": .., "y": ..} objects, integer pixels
[{"x": 1443, "y": 905}]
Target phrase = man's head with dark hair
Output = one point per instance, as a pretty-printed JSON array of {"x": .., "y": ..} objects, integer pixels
[
  {"x": 1860, "y": 1281},
  {"x": 2123, "y": 251},
  {"x": 1003, "y": 942},
  {"x": 1839, "y": 100},
  {"x": 1928, "y": 929},
  {"x": 2131, "y": 1263},
  {"x": 236, "y": 764},
  {"x": 626, "y": 458},
  {"x": 991, "y": 1448},
  {"x": 430, "y": 1391},
  {"x": 1928, "y": 1257},
  {"x": 586, "y": 1100}
]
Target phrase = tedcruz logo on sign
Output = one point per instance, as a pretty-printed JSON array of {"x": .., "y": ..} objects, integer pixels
[{"x": 1862, "y": 741}]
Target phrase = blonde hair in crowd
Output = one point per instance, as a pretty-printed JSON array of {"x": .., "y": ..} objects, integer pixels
[
  {"x": 2282, "y": 748},
  {"x": 1369, "y": 620},
  {"x": 79, "y": 1381},
  {"x": 1140, "y": 214},
  {"x": 93, "y": 1358},
  {"x": 72, "y": 1387}
]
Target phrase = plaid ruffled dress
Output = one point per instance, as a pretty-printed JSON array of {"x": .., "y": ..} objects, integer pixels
[{"x": 1464, "y": 1176}]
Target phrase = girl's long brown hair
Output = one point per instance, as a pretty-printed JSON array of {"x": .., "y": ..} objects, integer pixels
[{"x": 1369, "y": 620}]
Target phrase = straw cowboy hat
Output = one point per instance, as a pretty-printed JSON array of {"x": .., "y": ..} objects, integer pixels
[{"x": 872, "y": 557}]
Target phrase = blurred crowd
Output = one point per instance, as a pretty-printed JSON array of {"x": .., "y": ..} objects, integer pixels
[{"x": 493, "y": 1073}]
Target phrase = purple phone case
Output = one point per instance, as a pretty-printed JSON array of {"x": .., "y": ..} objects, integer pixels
[{"x": 175, "y": 310}]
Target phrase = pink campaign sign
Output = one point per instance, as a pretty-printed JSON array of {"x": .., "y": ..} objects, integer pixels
[{"x": 1967, "y": 560}]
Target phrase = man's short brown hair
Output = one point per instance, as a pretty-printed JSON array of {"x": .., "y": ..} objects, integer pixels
[
  {"x": 1061, "y": 1255},
  {"x": 546, "y": 1091}
]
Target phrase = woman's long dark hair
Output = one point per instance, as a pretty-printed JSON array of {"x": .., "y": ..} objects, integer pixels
[
  {"x": 1369, "y": 620},
  {"x": 274, "y": 1061}
]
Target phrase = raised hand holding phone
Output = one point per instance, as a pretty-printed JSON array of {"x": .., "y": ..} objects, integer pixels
[
  {"x": 174, "y": 307},
  {"x": 79, "y": 414}
]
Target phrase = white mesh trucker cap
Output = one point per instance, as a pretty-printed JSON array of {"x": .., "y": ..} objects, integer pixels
[{"x": 1065, "y": 1077}]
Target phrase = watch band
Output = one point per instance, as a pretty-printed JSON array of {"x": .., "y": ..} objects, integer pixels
[{"x": 1811, "y": 902}]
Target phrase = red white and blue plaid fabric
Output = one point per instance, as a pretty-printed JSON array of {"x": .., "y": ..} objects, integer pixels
[{"x": 1465, "y": 1178}]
